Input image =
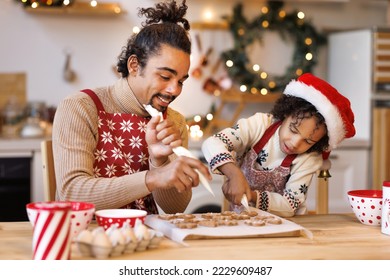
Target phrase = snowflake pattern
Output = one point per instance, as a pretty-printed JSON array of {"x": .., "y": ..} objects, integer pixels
[
  {"x": 304, "y": 188},
  {"x": 100, "y": 155},
  {"x": 117, "y": 153},
  {"x": 262, "y": 157},
  {"x": 110, "y": 170},
  {"x": 96, "y": 172},
  {"x": 129, "y": 157},
  {"x": 100, "y": 122},
  {"x": 111, "y": 124},
  {"x": 120, "y": 141},
  {"x": 126, "y": 126},
  {"x": 126, "y": 168},
  {"x": 106, "y": 137},
  {"x": 135, "y": 142},
  {"x": 142, "y": 126},
  {"x": 143, "y": 158}
]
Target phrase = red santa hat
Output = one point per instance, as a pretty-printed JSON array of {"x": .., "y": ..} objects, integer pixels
[{"x": 334, "y": 107}]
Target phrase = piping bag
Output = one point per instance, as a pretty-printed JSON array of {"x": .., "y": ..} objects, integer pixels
[
  {"x": 181, "y": 151},
  {"x": 244, "y": 202}
]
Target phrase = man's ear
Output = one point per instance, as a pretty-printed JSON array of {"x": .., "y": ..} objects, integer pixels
[{"x": 132, "y": 65}]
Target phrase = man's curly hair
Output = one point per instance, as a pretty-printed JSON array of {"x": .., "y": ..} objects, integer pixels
[
  {"x": 164, "y": 24},
  {"x": 299, "y": 109}
]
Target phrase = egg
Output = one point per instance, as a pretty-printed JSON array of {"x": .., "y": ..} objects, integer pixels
[
  {"x": 142, "y": 234},
  {"x": 101, "y": 244},
  {"x": 156, "y": 238},
  {"x": 131, "y": 239},
  {"x": 118, "y": 240},
  {"x": 84, "y": 242}
]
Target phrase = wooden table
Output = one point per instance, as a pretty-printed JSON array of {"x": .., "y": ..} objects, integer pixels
[{"x": 336, "y": 237}]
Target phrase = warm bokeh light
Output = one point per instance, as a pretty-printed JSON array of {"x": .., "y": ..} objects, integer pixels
[
  {"x": 243, "y": 88},
  {"x": 282, "y": 14},
  {"x": 301, "y": 15},
  {"x": 256, "y": 67},
  {"x": 195, "y": 132},
  {"x": 241, "y": 31},
  {"x": 309, "y": 56},
  {"x": 229, "y": 63},
  {"x": 308, "y": 41},
  {"x": 136, "y": 29},
  {"x": 208, "y": 14},
  {"x": 197, "y": 118}
]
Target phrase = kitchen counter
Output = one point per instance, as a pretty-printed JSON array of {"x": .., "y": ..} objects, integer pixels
[
  {"x": 20, "y": 144},
  {"x": 335, "y": 237}
]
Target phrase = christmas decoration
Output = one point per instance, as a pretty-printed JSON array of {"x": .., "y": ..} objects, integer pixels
[
  {"x": 272, "y": 18},
  {"x": 45, "y": 3}
]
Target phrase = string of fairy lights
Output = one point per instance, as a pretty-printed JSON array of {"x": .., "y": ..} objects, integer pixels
[{"x": 52, "y": 3}]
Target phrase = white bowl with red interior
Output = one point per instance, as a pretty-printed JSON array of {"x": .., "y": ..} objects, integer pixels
[
  {"x": 367, "y": 206},
  {"x": 107, "y": 217},
  {"x": 81, "y": 215}
]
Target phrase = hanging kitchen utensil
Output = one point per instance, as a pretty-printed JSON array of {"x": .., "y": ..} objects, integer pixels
[
  {"x": 197, "y": 72},
  {"x": 204, "y": 60},
  {"x": 69, "y": 74},
  {"x": 211, "y": 86}
]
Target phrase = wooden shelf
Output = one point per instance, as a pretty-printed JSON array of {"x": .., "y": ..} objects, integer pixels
[
  {"x": 223, "y": 25},
  {"x": 81, "y": 9}
]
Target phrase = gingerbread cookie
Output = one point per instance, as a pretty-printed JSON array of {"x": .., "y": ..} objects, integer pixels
[{"x": 208, "y": 223}]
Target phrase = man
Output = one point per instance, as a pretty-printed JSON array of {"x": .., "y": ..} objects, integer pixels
[{"x": 107, "y": 150}]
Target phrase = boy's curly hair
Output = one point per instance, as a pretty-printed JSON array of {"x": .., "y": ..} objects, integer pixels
[
  {"x": 299, "y": 109},
  {"x": 164, "y": 24}
]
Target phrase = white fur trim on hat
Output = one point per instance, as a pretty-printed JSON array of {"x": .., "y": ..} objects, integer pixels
[{"x": 329, "y": 111}]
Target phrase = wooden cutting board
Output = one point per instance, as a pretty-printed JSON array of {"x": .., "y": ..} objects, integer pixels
[{"x": 12, "y": 84}]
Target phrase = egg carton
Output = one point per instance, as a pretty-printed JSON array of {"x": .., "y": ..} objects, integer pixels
[{"x": 113, "y": 242}]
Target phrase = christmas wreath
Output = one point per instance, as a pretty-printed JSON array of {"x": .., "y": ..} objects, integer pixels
[{"x": 273, "y": 18}]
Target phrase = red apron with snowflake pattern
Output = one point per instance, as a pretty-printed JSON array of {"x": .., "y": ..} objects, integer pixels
[
  {"x": 121, "y": 149},
  {"x": 266, "y": 180}
]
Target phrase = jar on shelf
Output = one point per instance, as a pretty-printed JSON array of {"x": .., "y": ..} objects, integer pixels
[{"x": 12, "y": 116}]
